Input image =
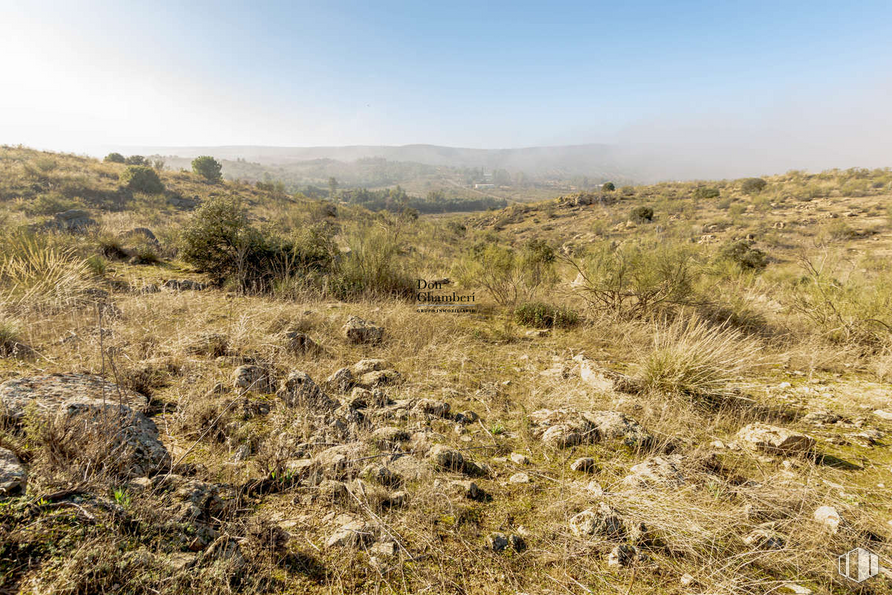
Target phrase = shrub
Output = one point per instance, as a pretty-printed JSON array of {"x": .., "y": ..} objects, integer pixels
[
  {"x": 114, "y": 158},
  {"x": 608, "y": 187},
  {"x": 704, "y": 192},
  {"x": 627, "y": 190},
  {"x": 10, "y": 336},
  {"x": 692, "y": 358},
  {"x": 744, "y": 255},
  {"x": 208, "y": 168},
  {"x": 753, "y": 185},
  {"x": 542, "y": 315},
  {"x": 635, "y": 280},
  {"x": 372, "y": 267},
  {"x": 141, "y": 178},
  {"x": 220, "y": 241},
  {"x": 642, "y": 215},
  {"x": 509, "y": 275},
  {"x": 136, "y": 160}
]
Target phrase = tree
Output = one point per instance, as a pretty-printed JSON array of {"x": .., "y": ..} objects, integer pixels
[
  {"x": 753, "y": 185},
  {"x": 142, "y": 179},
  {"x": 114, "y": 158},
  {"x": 332, "y": 187},
  {"x": 136, "y": 160},
  {"x": 208, "y": 168},
  {"x": 608, "y": 187}
]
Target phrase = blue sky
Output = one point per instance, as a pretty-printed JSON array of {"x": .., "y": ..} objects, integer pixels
[{"x": 86, "y": 74}]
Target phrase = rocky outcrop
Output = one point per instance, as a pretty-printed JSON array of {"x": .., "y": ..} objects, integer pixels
[
  {"x": 47, "y": 394},
  {"x": 357, "y": 330},
  {"x": 564, "y": 428},
  {"x": 656, "y": 472},
  {"x": 774, "y": 439},
  {"x": 603, "y": 521},
  {"x": 299, "y": 390}
]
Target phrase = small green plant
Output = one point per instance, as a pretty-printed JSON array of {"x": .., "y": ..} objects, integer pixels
[
  {"x": 706, "y": 192},
  {"x": 743, "y": 254},
  {"x": 497, "y": 429},
  {"x": 641, "y": 214},
  {"x": 141, "y": 178},
  {"x": 122, "y": 497},
  {"x": 97, "y": 265},
  {"x": 542, "y": 315},
  {"x": 114, "y": 158},
  {"x": 753, "y": 185},
  {"x": 208, "y": 168}
]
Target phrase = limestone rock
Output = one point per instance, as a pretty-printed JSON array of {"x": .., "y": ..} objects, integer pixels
[
  {"x": 656, "y": 471},
  {"x": 253, "y": 378},
  {"x": 431, "y": 407},
  {"x": 389, "y": 436},
  {"x": 584, "y": 465},
  {"x": 379, "y": 378},
  {"x": 357, "y": 330},
  {"x": 13, "y": 478},
  {"x": 341, "y": 381},
  {"x": 299, "y": 390},
  {"x": 519, "y": 478},
  {"x": 50, "y": 393},
  {"x": 623, "y": 555},
  {"x": 355, "y": 533},
  {"x": 445, "y": 458},
  {"x": 519, "y": 459},
  {"x": 298, "y": 342},
  {"x": 774, "y": 439},
  {"x": 829, "y": 517},
  {"x": 602, "y": 521},
  {"x": 368, "y": 365}
]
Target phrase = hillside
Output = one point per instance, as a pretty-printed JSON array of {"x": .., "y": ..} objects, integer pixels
[{"x": 219, "y": 387}]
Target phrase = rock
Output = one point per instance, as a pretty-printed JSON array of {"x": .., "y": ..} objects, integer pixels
[
  {"x": 357, "y": 330},
  {"x": 387, "y": 549},
  {"x": 355, "y": 533},
  {"x": 623, "y": 555},
  {"x": 591, "y": 375},
  {"x": 379, "y": 378},
  {"x": 299, "y": 390},
  {"x": 868, "y": 437},
  {"x": 431, "y": 407},
  {"x": 466, "y": 489},
  {"x": 398, "y": 499},
  {"x": 561, "y": 436},
  {"x": 656, "y": 471},
  {"x": 298, "y": 342},
  {"x": 603, "y": 521},
  {"x": 187, "y": 499},
  {"x": 408, "y": 468},
  {"x": 180, "y": 202},
  {"x": 883, "y": 414},
  {"x": 829, "y": 517},
  {"x": 253, "y": 378},
  {"x": 613, "y": 425},
  {"x": 797, "y": 589},
  {"x": 784, "y": 386},
  {"x": 774, "y": 439},
  {"x": 340, "y": 381},
  {"x": 367, "y": 365},
  {"x": 538, "y": 333},
  {"x": 241, "y": 453},
  {"x": 183, "y": 285},
  {"x": 332, "y": 491},
  {"x": 130, "y": 435},
  {"x": 466, "y": 417},
  {"x": 389, "y": 436},
  {"x": 686, "y": 580},
  {"x": 13, "y": 478},
  {"x": 517, "y": 543},
  {"x": 519, "y": 459},
  {"x": 519, "y": 478},
  {"x": 50, "y": 393},
  {"x": 595, "y": 489},
  {"x": 380, "y": 474},
  {"x": 445, "y": 458},
  {"x": 819, "y": 418},
  {"x": 564, "y": 428},
  {"x": 73, "y": 220},
  {"x": 497, "y": 542},
  {"x": 584, "y": 465}
]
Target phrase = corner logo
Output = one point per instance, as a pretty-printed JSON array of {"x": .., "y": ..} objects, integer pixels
[{"x": 859, "y": 565}]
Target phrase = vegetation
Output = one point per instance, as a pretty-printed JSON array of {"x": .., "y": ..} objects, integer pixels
[
  {"x": 542, "y": 315},
  {"x": 642, "y": 214},
  {"x": 115, "y": 158},
  {"x": 141, "y": 178},
  {"x": 208, "y": 168},
  {"x": 753, "y": 185}
]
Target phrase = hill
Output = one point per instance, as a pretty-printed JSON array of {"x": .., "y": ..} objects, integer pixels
[{"x": 681, "y": 387}]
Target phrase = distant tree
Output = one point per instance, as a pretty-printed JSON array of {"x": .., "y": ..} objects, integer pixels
[
  {"x": 115, "y": 158},
  {"x": 642, "y": 214},
  {"x": 136, "y": 160},
  {"x": 208, "y": 168},
  {"x": 141, "y": 178},
  {"x": 608, "y": 187},
  {"x": 753, "y": 185},
  {"x": 332, "y": 187},
  {"x": 158, "y": 164}
]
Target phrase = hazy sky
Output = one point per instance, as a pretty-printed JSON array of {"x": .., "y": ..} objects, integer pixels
[{"x": 81, "y": 75}]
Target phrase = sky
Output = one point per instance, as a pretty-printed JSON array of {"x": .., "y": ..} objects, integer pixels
[{"x": 812, "y": 77}]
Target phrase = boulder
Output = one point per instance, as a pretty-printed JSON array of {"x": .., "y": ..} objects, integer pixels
[
  {"x": 13, "y": 478},
  {"x": 341, "y": 381},
  {"x": 357, "y": 330},
  {"x": 656, "y": 472},
  {"x": 253, "y": 378},
  {"x": 368, "y": 365},
  {"x": 49, "y": 393},
  {"x": 445, "y": 458},
  {"x": 774, "y": 439},
  {"x": 379, "y": 378},
  {"x": 297, "y": 342}
]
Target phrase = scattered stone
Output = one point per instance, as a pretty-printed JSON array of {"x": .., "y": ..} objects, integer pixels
[
  {"x": 387, "y": 549},
  {"x": 389, "y": 436},
  {"x": 519, "y": 459},
  {"x": 686, "y": 580},
  {"x": 354, "y": 533},
  {"x": 409, "y": 468},
  {"x": 298, "y": 342},
  {"x": 497, "y": 542},
  {"x": 868, "y": 437},
  {"x": 183, "y": 285},
  {"x": 466, "y": 417},
  {"x": 357, "y": 330},
  {"x": 656, "y": 471},
  {"x": 603, "y": 521},
  {"x": 398, "y": 499},
  {"x": 774, "y": 439},
  {"x": 299, "y": 390},
  {"x": 519, "y": 478},
  {"x": 149, "y": 288},
  {"x": 829, "y": 517},
  {"x": 883, "y": 414},
  {"x": 446, "y": 458},
  {"x": 253, "y": 378},
  {"x": 765, "y": 538},
  {"x": 181, "y": 202},
  {"x": 209, "y": 344},
  {"x": 380, "y": 474},
  {"x": 432, "y": 408},
  {"x": 241, "y": 453},
  {"x": 595, "y": 489},
  {"x": 332, "y": 491},
  {"x": 517, "y": 543},
  {"x": 367, "y": 365},
  {"x": 584, "y": 465},
  {"x": 50, "y": 393},
  {"x": 538, "y": 333},
  {"x": 13, "y": 478},
  {"x": 797, "y": 589},
  {"x": 623, "y": 555},
  {"x": 564, "y": 428},
  {"x": 820, "y": 418},
  {"x": 784, "y": 386},
  {"x": 340, "y": 381},
  {"x": 379, "y": 378}
]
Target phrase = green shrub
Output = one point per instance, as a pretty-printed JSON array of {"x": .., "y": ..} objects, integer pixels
[
  {"x": 220, "y": 241},
  {"x": 608, "y": 187},
  {"x": 627, "y": 190},
  {"x": 141, "y": 178},
  {"x": 542, "y": 315},
  {"x": 114, "y": 158},
  {"x": 507, "y": 274},
  {"x": 744, "y": 255},
  {"x": 208, "y": 168},
  {"x": 753, "y": 185},
  {"x": 704, "y": 192},
  {"x": 642, "y": 214},
  {"x": 136, "y": 160},
  {"x": 373, "y": 267}
]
